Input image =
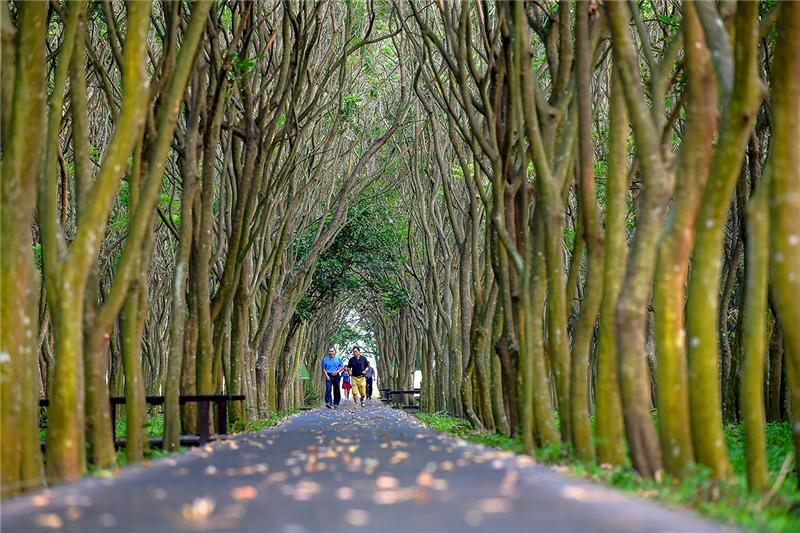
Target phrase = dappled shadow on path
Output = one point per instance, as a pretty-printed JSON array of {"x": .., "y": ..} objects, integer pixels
[{"x": 371, "y": 468}]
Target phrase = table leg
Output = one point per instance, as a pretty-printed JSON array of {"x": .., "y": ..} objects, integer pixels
[
  {"x": 222, "y": 417},
  {"x": 203, "y": 422}
]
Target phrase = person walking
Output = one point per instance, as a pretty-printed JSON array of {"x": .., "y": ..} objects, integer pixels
[
  {"x": 346, "y": 385},
  {"x": 332, "y": 368},
  {"x": 357, "y": 367},
  {"x": 370, "y": 374}
]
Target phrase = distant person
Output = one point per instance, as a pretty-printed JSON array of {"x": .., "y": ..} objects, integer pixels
[
  {"x": 357, "y": 367},
  {"x": 370, "y": 374},
  {"x": 346, "y": 384},
  {"x": 332, "y": 368}
]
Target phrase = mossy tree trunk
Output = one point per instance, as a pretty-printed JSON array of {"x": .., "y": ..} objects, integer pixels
[
  {"x": 592, "y": 235},
  {"x": 673, "y": 254},
  {"x": 610, "y": 434},
  {"x": 66, "y": 273},
  {"x": 754, "y": 339},
  {"x": 631, "y": 308},
  {"x": 785, "y": 202},
  {"x": 23, "y": 127},
  {"x": 702, "y": 304}
]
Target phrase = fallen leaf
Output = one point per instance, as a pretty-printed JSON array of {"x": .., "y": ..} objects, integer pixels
[
  {"x": 277, "y": 477},
  {"x": 40, "y": 501},
  {"x": 440, "y": 484},
  {"x": 589, "y": 494},
  {"x": 386, "y": 482},
  {"x": 398, "y": 457},
  {"x": 356, "y": 517},
  {"x": 494, "y": 505},
  {"x": 306, "y": 489},
  {"x": 245, "y": 492},
  {"x": 525, "y": 461},
  {"x": 344, "y": 493},
  {"x": 424, "y": 479},
  {"x": 199, "y": 510},
  {"x": 50, "y": 520}
]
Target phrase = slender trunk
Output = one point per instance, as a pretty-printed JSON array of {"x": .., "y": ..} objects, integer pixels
[
  {"x": 135, "y": 406},
  {"x": 172, "y": 418},
  {"x": 775, "y": 377},
  {"x": 785, "y": 202},
  {"x": 610, "y": 434},
  {"x": 584, "y": 330},
  {"x": 674, "y": 250},
  {"x": 498, "y": 408},
  {"x": 702, "y": 304},
  {"x": 631, "y": 308},
  {"x": 754, "y": 338},
  {"x": 546, "y": 432}
]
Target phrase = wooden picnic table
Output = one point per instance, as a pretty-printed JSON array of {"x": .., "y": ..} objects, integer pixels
[
  {"x": 386, "y": 395},
  {"x": 204, "y": 401}
]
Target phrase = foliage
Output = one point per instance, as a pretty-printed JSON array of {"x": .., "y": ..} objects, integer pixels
[
  {"x": 348, "y": 335},
  {"x": 313, "y": 396},
  {"x": 364, "y": 259}
]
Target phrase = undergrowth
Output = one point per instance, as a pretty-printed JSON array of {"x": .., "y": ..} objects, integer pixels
[{"x": 155, "y": 428}]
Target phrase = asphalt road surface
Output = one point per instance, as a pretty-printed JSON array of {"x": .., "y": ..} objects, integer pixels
[{"x": 354, "y": 469}]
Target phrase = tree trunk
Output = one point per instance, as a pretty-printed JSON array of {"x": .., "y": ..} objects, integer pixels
[
  {"x": 785, "y": 202},
  {"x": 673, "y": 254},
  {"x": 609, "y": 427},
  {"x": 702, "y": 310},
  {"x": 23, "y": 127}
]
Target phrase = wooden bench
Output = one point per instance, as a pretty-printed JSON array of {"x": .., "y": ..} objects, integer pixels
[
  {"x": 220, "y": 402},
  {"x": 389, "y": 393}
]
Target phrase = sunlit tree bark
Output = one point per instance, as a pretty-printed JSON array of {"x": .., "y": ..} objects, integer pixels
[{"x": 23, "y": 128}]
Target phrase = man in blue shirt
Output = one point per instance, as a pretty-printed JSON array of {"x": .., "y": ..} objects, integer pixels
[{"x": 332, "y": 368}]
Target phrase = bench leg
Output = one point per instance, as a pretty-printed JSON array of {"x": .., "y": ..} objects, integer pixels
[
  {"x": 222, "y": 417},
  {"x": 203, "y": 422}
]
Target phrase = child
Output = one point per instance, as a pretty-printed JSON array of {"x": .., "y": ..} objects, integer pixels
[{"x": 346, "y": 383}]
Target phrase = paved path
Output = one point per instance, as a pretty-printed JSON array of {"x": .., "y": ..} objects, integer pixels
[{"x": 371, "y": 469}]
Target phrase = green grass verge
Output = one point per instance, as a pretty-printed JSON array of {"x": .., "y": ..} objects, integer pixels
[
  {"x": 728, "y": 501},
  {"x": 255, "y": 425}
]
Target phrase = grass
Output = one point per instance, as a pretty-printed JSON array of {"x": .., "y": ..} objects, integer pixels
[
  {"x": 727, "y": 501},
  {"x": 155, "y": 428},
  {"x": 270, "y": 420}
]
